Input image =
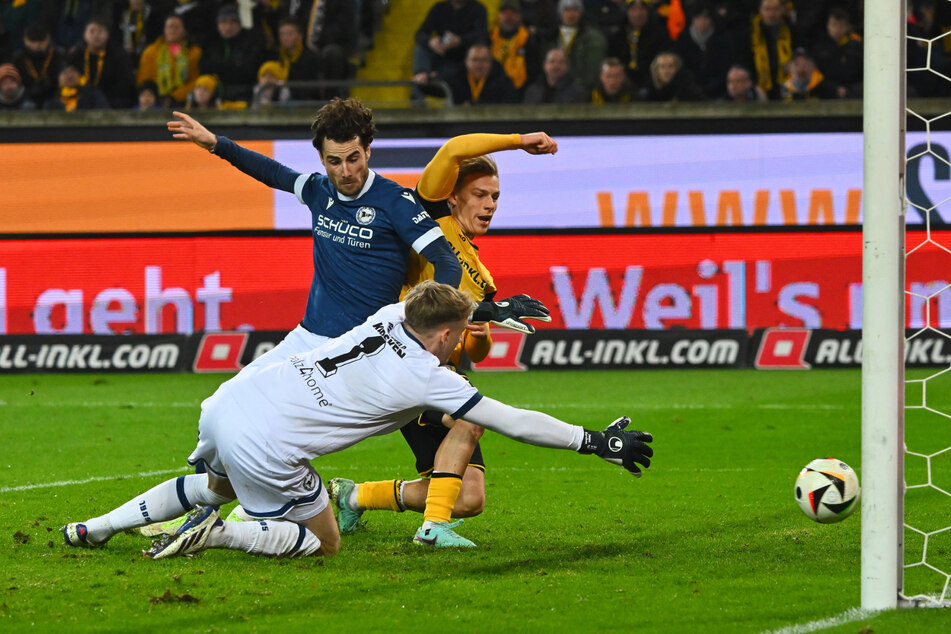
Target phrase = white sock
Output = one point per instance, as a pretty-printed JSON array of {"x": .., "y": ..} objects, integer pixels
[
  {"x": 352, "y": 499},
  {"x": 159, "y": 504},
  {"x": 271, "y": 538}
]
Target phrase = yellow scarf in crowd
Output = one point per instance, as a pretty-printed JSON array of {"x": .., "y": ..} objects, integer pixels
[
  {"x": 761, "y": 54},
  {"x": 508, "y": 51},
  {"x": 475, "y": 87},
  {"x": 69, "y": 97},
  {"x": 172, "y": 72},
  {"x": 289, "y": 58}
]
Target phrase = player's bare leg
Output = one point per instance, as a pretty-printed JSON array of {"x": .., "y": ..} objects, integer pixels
[{"x": 453, "y": 490}]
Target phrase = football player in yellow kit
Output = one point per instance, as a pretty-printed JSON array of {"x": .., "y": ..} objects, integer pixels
[{"x": 460, "y": 189}]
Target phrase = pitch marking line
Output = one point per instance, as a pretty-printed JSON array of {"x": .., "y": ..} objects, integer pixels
[
  {"x": 64, "y": 483},
  {"x": 853, "y": 614}
]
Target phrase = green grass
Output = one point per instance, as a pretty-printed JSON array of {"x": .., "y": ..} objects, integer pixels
[{"x": 709, "y": 540}]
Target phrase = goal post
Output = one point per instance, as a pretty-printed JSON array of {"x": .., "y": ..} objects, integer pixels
[{"x": 883, "y": 311}]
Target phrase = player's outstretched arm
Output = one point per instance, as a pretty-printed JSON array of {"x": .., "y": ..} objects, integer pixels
[
  {"x": 615, "y": 444},
  {"x": 439, "y": 176},
  {"x": 510, "y": 313},
  {"x": 188, "y": 128},
  {"x": 255, "y": 165}
]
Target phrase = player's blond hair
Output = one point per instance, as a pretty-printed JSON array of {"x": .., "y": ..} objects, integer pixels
[
  {"x": 482, "y": 165},
  {"x": 431, "y": 306}
]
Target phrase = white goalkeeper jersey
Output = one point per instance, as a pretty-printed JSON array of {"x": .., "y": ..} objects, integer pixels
[{"x": 367, "y": 382}]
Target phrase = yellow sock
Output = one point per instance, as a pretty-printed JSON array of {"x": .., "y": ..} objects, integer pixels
[
  {"x": 443, "y": 490},
  {"x": 379, "y": 495}
]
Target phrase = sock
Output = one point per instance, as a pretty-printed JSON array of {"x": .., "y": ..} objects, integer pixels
[
  {"x": 380, "y": 495},
  {"x": 441, "y": 498},
  {"x": 159, "y": 504},
  {"x": 271, "y": 538}
]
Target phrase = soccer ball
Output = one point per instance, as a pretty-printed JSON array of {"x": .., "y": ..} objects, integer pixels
[{"x": 827, "y": 490}]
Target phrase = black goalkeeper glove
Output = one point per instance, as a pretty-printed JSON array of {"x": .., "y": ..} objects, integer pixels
[
  {"x": 510, "y": 312},
  {"x": 625, "y": 448}
]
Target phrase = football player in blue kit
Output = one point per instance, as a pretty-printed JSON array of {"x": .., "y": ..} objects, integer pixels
[{"x": 364, "y": 225}]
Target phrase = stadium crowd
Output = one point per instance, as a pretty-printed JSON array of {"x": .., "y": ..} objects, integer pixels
[{"x": 147, "y": 54}]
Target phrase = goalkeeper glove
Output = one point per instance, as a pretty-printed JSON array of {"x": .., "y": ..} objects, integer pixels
[
  {"x": 510, "y": 312},
  {"x": 625, "y": 448}
]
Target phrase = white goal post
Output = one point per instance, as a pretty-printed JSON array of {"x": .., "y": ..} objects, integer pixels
[{"x": 883, "y": 313}]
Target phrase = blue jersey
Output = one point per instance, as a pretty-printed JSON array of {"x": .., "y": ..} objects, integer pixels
[{"x": 361, "y": 243}]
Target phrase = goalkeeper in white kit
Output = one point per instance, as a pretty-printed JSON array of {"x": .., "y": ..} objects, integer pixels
[{"x": 260, "y": 430}]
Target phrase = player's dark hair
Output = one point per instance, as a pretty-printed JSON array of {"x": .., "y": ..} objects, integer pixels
[
  {"x": 431, "y": 305},
  {"x": 481, "y": 165},
  {"x": 341, "y": 120}
]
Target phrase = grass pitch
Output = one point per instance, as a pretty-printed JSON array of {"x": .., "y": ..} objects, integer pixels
[{"x": 709, "y": 540}]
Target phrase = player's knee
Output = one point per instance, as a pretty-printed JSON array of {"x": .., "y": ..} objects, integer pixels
[
  {"x": 471, "y": 502},
  {"x": 329, "y": 546},
  {"x": 473, "y": 431}
]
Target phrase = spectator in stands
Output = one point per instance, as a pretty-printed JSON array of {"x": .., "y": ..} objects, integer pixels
[
  {"x": 39, "y": 63},
  {"x": 104, "y": 64},
  {"x": 72, "y": 95},
  {"x": 922, "y": 25},
  {"x": 68, "y": 20},
  {"x": 638, "y": 42},
  {"x": 205, "y": 95},
  {"x": 606, "y": 15},
  {"x": 540, "y": 17},
  {"x": 583, "y": 44},
  {"x": 483, "y": 81},
  {"x": 838, "y": 54},
  {"x": 12, "y": 90},
  {"x": 670, "y": 81},
  {"x": 740, "y": 87},
  {"x": 137, "y": 24},
  {"x": 330, "y": 23},
  {"x": 233, "y": 56},
  {"x": 770, "y": 46},
  {"x": 299, "y": 62},
  {"x": 706, "y": 51},
  {"x": 147, "y": 98},
  {"x": 447, "y": 32},
  {"x": 15, "y": 18},
  {"x": 556, "y": 84},
  {"x": 271, "y": 88},
  {"x": 171, "y": 62},
  {"x": 198, "y": 18},
  {"x": 328, "y": 29},
  {"x": 613, "y": 85},
  {"x": 804, "y": 81},
  {"x": 514, "y": 46}
]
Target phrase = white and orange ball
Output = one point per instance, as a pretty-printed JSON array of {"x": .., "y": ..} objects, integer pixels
[{"x": 827, "y": 490}]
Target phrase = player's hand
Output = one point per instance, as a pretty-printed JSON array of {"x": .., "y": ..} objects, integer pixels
[
  {"x": 539, "y": 143},
  {"x": 188, "y": 129},
  {"x": 620, "y": 447},
  {"x": 510, "y": 313},
  {"x": 478, "y": 330}
]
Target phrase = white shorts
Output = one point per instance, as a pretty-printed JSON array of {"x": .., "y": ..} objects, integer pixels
[
  {"x": 297, "y": 341},
  {"x": 269, "y": 481}
]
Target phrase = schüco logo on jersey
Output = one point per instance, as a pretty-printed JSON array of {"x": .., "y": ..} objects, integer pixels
[{"x": 344, "y": 232}]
